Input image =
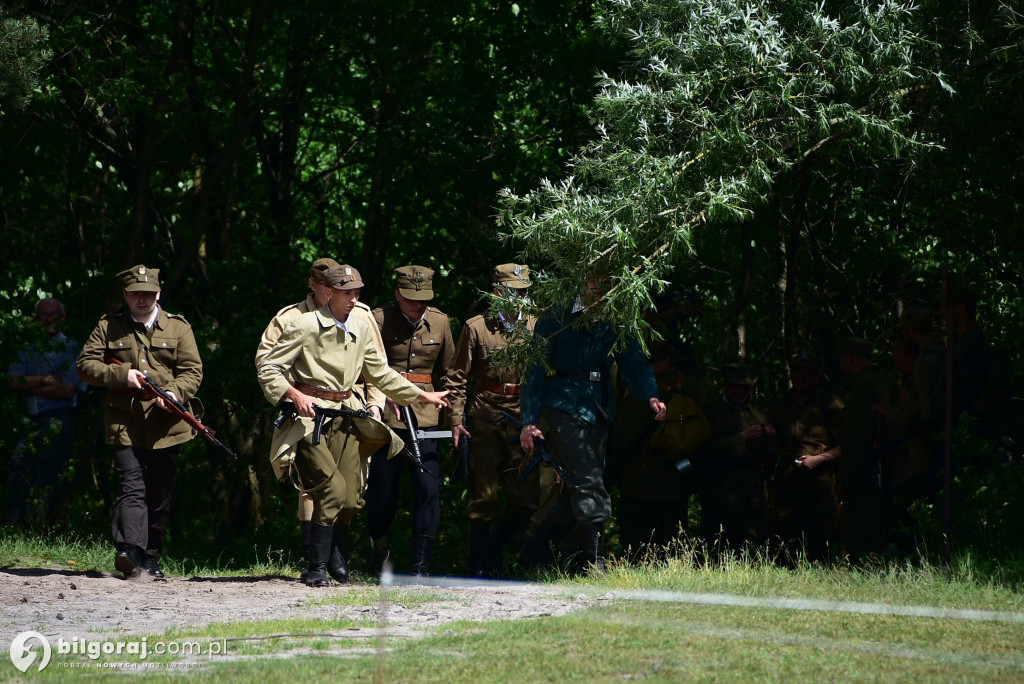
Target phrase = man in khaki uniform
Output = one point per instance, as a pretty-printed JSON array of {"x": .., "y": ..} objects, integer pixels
[
  {"x": 808, "y": 423},
  {"x": 495, "y": 462},
  {"x": 319, "y": 295},
  {"x": 316, "y": 361},
  {"x": 123, "y": 351},
  {"x": 868, "y": 397},
  {"x": 417, "y": 339}
]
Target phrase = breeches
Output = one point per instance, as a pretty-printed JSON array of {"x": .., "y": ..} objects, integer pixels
[
  {"x": 579, "y": 447},
  {"x": 331, "y": 473}
]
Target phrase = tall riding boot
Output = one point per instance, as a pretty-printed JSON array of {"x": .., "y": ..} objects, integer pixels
[
  {"x": 337, "y": 564},
  {"x": 479, "y": 549},
  {"x": 304, "y": 526},
  {"x": 380, "y": 551},
  {"x": 536, "y": 550},
  {"x": 501, "y": 534},
  {"x": 421, "y": 547},
  {"x": 320, "y": 540},
  {"x": 591, "y": 556}
]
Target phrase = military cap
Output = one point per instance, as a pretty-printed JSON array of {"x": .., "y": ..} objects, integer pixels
[
  {"x": 916, "y": 318},
  {"x": 415, "y": 283},
  {"x": 804, "y": 360},
  {"x": 320, "y": 266},
  {"x": 855, "y": 346},
  {"x": 516, "y": 276},
  {"x": 737, "y": 374},
  {"x": 140, "y": 279},
  {"x": 343, "y": 277}
]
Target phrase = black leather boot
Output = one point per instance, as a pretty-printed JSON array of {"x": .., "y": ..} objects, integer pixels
[
  {"x": 479, "y": 549},
  {"x": 337, "y": 565},
  {"x": 590, "y": 559},
  {"x": 321, "y": 538},
  {"x": 152, "y": 566},
  {"x": 128, "y": 560},
  {"x": 380, "y": 551},
  {"x": 304, "y": 530},
  {"x": 421, "y": 547}
]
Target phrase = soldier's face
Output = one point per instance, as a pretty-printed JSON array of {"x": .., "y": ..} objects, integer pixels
[
  {"x": 321, "y": 293},
  {"x": 804, "y": 378},
  {"x": 413, "y": 309},
  {"x": 141, "y": 304},
  {"x": 343, "y": 301}
]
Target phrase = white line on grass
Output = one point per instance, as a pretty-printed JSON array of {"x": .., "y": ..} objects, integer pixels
[{"x": 663, "y": 596}]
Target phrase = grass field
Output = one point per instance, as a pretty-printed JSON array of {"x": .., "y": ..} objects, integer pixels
[{"x": 741, "y": 620}]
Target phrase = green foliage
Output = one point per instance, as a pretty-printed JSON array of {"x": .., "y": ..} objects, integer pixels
[
  {"x": 720, "y": 104},
  {"x": 23, "y": 55}
]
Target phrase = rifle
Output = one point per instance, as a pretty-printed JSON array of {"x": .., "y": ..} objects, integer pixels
[
  {"x": 540, "y": 453},
  {"x": 151, "y": 390},
  {"x": 321, "y": 416},
  {"x": 415, "y": 436},
  {"x": 186, "y": 415},
  {"x": 464, "y": 450}
]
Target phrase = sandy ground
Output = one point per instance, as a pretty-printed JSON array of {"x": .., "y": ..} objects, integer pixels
[{"x": 67, "y": 604}]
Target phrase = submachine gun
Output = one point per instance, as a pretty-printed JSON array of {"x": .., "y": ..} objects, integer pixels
[
  {"x": 540, "y": 453},
  {"x": 321, "y": 416}
]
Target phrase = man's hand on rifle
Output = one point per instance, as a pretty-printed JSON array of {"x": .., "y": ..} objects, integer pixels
[
  {"x": 457, "y": 432},
  {"x": 436, "y": 398},
  {"x": 374, "y": 411},
  {"x": 136, "y": 379},
  {"x": 528, "y": 434}
]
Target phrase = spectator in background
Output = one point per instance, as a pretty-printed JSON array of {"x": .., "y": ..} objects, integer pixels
[{"x": 45, "y": 377}]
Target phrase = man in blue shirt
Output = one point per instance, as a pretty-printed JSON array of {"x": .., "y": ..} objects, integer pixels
[
  {"x": 46, "y": 378},
  {"x": 572, "y": 408}
]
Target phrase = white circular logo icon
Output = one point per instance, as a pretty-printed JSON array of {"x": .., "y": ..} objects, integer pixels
[{"x": 22, "y": 656}]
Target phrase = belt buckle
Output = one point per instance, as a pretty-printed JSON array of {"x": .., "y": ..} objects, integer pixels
[
  {"x": 505, "y": 387},
  {"x": 595, "y": 376}
]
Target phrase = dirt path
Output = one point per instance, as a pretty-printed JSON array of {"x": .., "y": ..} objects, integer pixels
[{"x": 69, "y": 604}]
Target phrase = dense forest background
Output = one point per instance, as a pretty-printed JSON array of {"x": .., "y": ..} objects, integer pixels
[{"x": 798, "y": 172}]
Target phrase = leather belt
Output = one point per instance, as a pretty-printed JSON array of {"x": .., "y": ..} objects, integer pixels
[
  {"x": 323, "y": 393},
  {"x": 586, "y": 376},
  {"x": 500, "y": 387},
  {"x": 417, "y": 377}
]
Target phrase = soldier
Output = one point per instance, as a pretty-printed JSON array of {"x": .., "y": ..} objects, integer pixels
[
  {"x": 912, "y": 425},
  {"x": 494, "y": 460},
  {"x": 869, "y": 396},
  {"x": 324, "y": 353},
  {"x": 575, "y": 407},
  {"x": 650, "y": 461},
  {"x": 807, "y": 423},
  {"x": 732, "y": 465},
  {"x": 123, "y": 351},
  {"x": 418, "y": 341},
  {"x": 319, "y": 295}
]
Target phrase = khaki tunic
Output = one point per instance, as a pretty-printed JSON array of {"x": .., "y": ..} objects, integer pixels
[
  {"x": 496, "y": 462},
  {"x": 166, "y": 353},
  {"x": 282, "y": 318},
  {"x": 316, "y": 352},
  {"x": 416, "y": 350},
  {"x": 480, "y": 338}
]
